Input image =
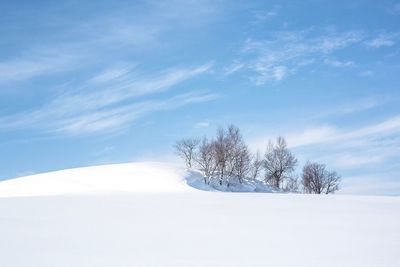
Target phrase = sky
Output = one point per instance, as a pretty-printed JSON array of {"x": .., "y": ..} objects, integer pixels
[{"x": 96, "y": 82}]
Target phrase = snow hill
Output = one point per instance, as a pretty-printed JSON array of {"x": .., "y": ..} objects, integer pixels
[
  {"x": 146, "y": 214},
  {"x": 150, "y": 177}
]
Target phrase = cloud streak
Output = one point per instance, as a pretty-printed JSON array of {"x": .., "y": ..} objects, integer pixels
[
  {"x": 326, "y": 134},
  {"x": 353, "y": 106},
  {"x": 35, "y": 64},
  {"x": 284, "y": 52},
  {"x": 345, "y": 149},
  {"x": 90, "y": 41},
  {"x": 115, "y": 119},
  {"x": 107, "y": 102},
  {"x": 339, "y": 64},
  {"x": 383, "y": 40}
]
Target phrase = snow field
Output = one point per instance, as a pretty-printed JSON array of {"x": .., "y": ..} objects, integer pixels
[{"x": 144, "y": 214}]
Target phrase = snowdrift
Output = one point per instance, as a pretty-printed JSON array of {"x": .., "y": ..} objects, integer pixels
[{"x": 195, "y": 180}]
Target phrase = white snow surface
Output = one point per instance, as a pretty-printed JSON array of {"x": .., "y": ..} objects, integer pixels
[
  {"x": 145, "y": 214},
  {"x": 130, "y": 177}
]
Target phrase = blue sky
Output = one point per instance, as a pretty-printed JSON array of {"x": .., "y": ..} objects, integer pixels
[{"x": 86, "y": 83}]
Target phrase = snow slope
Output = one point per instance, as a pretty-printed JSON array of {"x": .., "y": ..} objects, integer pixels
[
  {"x": 131, "y": 177},
  {"x": 144, "y": 214}
]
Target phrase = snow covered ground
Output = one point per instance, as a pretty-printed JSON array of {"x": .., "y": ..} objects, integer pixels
[{"x": 144, "y": 214}]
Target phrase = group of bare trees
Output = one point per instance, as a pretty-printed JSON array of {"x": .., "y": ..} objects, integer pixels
[
  {"x": 222, "y": 159},
  {"x": 226, "y": 159}
]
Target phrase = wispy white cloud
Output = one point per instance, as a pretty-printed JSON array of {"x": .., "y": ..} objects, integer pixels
[
  {"x": 338, "y": 63},
  {"x": 202, "y": 124},
  {"x": 363, "y": 148},
  {"x": 312, "y": 136},
  {"x": 285, "y": 52},
  {"x": 264, "y": 15},
  {"x": 383, "y": 40},
  {"x": 363, "y": 105},
  {"x": 35, "y": 63},
  {"x": 85, "y": 43},
  {"x": 115, "y": 119},
  {"x": 268, "y": 73},
  {"x": 108, "y": 107},
  {"x": 353, "y": 159},
  {"x": 353, "y": 106},
  {"x": 324, "y": 134},
  {"x": 303, "y": 42},
  {"x": 127, "y": 87},
  {"x": 53, "y": 58},
  {"x": 108, "y": 99},
  {"x": 234, "y": 67},
  {"x": 110, "y": 74},
  {"x": 90, "y": 41},
  {"x": 279, "y": 72},
  {"x": 345, "y": 149}
]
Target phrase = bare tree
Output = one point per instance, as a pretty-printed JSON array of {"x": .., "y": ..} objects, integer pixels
[
  {"x": 221, "y": 153},
  {"x": 239, "y": 158},
  {"x": 332, "y": 182},
  {"x": 206, "y": 159},
  {"x": 317, "y": 180},
  {"x": 279, "y": 162},
  {"x": 242, "y": 162},
  {"x": 256, "y": 166},
  {"x": 185, "y": 148}
]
